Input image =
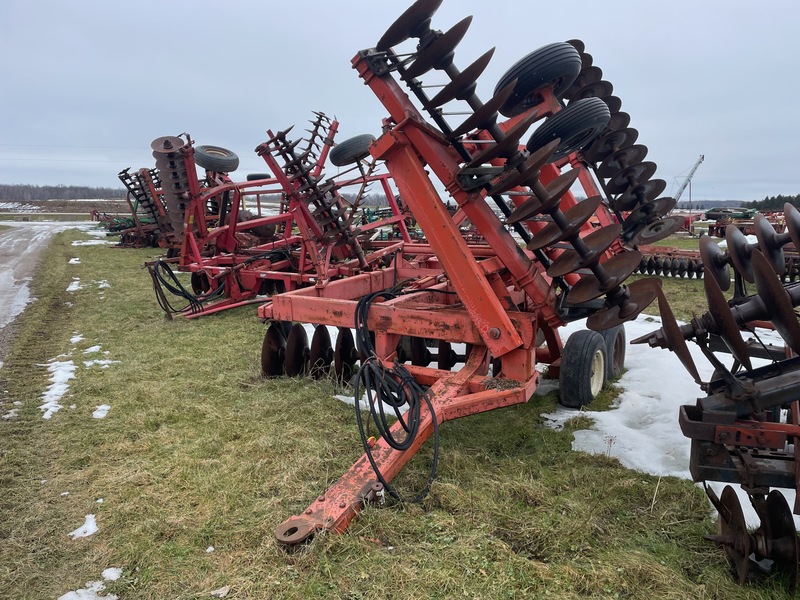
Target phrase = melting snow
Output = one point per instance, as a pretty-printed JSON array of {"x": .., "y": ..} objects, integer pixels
[
  {"x": 91, "y": 242},
  {"x": 76, "y": 338},
  {"x": 92, "y": 349},
  {"x": 93, "y": 588},
  {"x": 101, "y": 411},
  {"x": 88, "y": 528},
  {"x": 75, "y": 285},
  {"x": 642, "y": 431},
  {"x": 74, "y": 261},
  {"x": 62, "y": 372}
]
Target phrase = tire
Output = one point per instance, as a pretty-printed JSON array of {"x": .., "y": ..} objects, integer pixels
[
  {"x": 351, "y": 150},
  {"x": 615, "y": 351},
  {"x": 577, "y": 125},
  {"x": 214, "y": 158},
  {"x": 555, "y": 64},
  {"x": 583, "y": 368}
]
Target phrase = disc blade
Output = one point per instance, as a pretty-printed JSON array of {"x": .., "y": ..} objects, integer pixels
[
  {"x": 412, "y": 23},
  {"x": 658, "y": 230},
  {"x": 622, "y": 158},
  {"x": 555, "y": 190},
  {"x": 723, "y": 316},
  {"x": 321, "y": 352},
  {"x": 640, "y": 294},
  {"x": 617, "y": 269},
  {"x": 596, "y": 243},
  {"x": 296, "y": 351},
  {"x": 439, "y": 54},
  {"x": 486, "y": 114},
  {"x": 715, "y": 263},
  {"x": 345, "y": 354},
  {"x": 639, "y": 194},
  {"x": 463, "y": 85},
  {"x": 575, "y": 216},
  {"x": 273, "y": 351},
  {"x": 777, "y": 301},
  {"x": 525, "y": 174}
]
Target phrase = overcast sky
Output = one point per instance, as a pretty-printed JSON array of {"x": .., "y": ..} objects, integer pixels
[{"x": 86, "y": 85}]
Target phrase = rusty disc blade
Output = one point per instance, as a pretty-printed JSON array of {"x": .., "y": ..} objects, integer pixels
[
  {"x": 769, "y": 244},
  {"x": 740, "y": 252},
  {"x": 619, "y": 120},
  {"x": 640, "y": 294},
  {"x": 507, "y": 146},
  {"x": 321, "y": 353},
  {"x": 345, "y": 354},
  {"x": 587, "y": 75},
  {"x": 782, "y": 536},
  {"x": 646, "y": 191},
  {"x": 723, "y": 316},
  {"x": 296, "y": 351},
  {"x": 715, "y": 263},
  {"x": 674, "y": 337},
  {"x": 733, "y": 530},
  {"x": 273, "y": 351},
  {"x": 777, "y": 301},
  {"x": 527, "y": 173},
  {"x": 166, "y": 144},
  {"x": 575, "y": 217},
  {"x": 577, "y": 44},
  {"x": 658, "y": 230},
  {"x": 439, "y": 53},
  {"x": 648, "y": 211},
  {"x": 609, "y": 142},
  {"x": 617, "y": 269},
  {"x": 624, "y": 157},
  {"x": 613, "y": 102},
  {"x": 792, "y": 217},
  {"x": 414, "y": 22},
  {"x": 596, "y": 243},
  {"x": 597, "y": 89},
  {"x": 486, "y": 114},
  {"x": 630, "y": 177},
  {"x": 555, "y": 189},
  {"x": 462, "y": 86}
]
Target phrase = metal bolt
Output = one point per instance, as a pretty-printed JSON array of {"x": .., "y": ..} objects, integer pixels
[
  {"x": 342, "y": 504},
  {"x": 309, "y": 511},
  {"x": 321, "y": 499},
  {"x": 167, "y": 144},
  {"x": 494, "y": 333}
]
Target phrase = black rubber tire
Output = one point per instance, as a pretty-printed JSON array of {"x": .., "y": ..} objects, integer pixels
[
  {"x": 583, "y": 368},
  {"x": 555, "y": 64},
  {"x": 577, "y": 125},
  {"x": 257, "y": 176},
  {"x": 214, "y": 158},
  {"x": 615, "y": 351},
  {"x": 351, "y": 150}
]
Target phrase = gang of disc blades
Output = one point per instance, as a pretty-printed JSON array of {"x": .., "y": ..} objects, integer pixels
[
  {"x": 630, "y": 176},
  {"x": 596, "y": 243},
  {"x": 624, "y": 157},
  {"x": 640, "y": 294},
  {"x": 646, "y": 191},
  {"x": 575, "y": 217},
  {"x": 617, "y": 269}
]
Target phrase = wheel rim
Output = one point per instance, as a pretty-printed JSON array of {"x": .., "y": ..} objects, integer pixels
[{"x": 598, "y": 372}]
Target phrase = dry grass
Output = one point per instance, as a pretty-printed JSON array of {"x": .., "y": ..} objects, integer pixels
[{"x": 197, "y": 450}]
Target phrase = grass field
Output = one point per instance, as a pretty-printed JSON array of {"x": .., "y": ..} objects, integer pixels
[{"x": 198, "y": 451}]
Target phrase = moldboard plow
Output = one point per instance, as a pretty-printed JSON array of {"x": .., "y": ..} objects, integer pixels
[{"x": 541, "y": 258}]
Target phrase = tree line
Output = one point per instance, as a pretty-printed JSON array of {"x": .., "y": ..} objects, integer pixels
[
  {"x": 28, "y": 193},
  {"x": 774, "y": 202}
]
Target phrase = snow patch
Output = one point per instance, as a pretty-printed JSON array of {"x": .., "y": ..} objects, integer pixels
[
  {"x": 76, "y": 338},
  {"x": 74, "y": 261},
  {"x": 101, "y": 411},
  {"x": 92, "y": 349},
  {"x": 93, "y": 588},
  {"x": 61, "y": 373},
  {"x": 75, "y": 285},
  {"x": 91, "y": 243},
  {"x": 88, "y": 528}
]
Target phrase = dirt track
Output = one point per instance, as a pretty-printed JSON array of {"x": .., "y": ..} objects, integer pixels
[{"x": 21, "y": 246}]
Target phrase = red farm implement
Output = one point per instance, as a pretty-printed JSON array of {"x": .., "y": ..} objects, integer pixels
[
  {"x": 539, "y": 257},
  {"x": 746, "y": 429},
  {"x": 316, "y": 233}
]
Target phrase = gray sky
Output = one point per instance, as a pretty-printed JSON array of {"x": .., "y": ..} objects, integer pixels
[{"x": 88, "y": 84}]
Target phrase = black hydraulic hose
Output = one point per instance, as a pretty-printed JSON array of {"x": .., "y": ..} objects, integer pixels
[{"x": 395, "y": 388}]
